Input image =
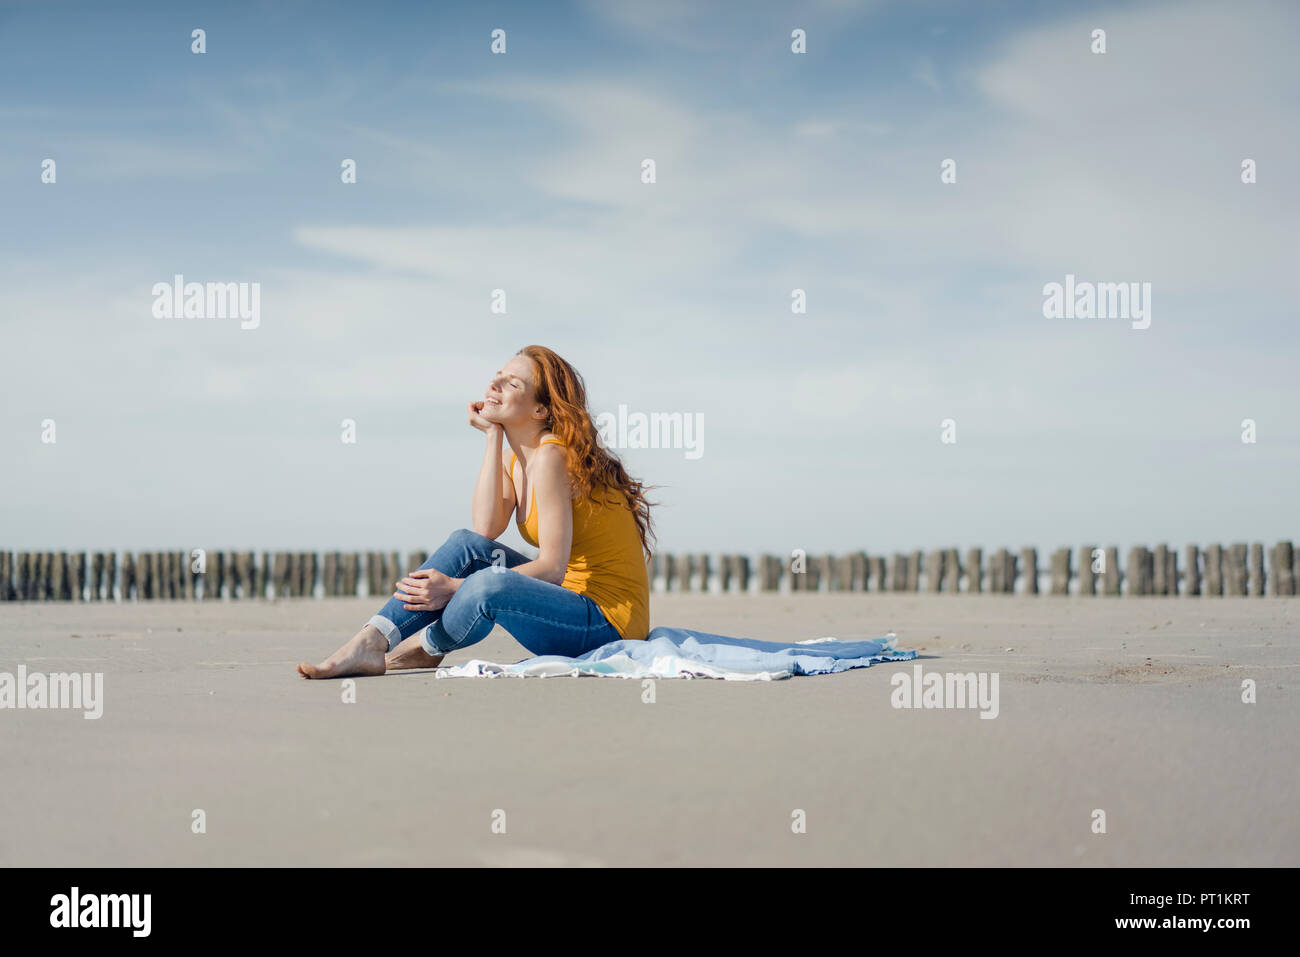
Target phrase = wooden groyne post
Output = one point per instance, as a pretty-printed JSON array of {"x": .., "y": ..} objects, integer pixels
[{"x": 1238, "y": 570}]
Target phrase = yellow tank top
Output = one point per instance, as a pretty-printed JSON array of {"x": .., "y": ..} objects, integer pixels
[{"x": 605, "y": 561}]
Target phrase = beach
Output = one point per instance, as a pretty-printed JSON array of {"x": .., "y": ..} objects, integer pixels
[{"x": 1130, "y": 706}]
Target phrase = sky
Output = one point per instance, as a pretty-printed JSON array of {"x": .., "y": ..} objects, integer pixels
[{"x": 775, "y": 171}]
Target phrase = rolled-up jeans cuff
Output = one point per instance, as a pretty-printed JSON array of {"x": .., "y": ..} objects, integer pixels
[
  {"x": 426, "y": 642},
  {"x": 387, "y": 629}
]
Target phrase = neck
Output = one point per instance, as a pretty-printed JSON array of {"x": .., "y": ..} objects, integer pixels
[{"x": 525, "y": 439}]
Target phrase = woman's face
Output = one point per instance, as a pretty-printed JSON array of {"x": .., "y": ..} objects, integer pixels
[{"x": 510, "y": 397}]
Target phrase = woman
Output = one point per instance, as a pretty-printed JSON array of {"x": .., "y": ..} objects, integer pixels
[{"x": 572, "y": 500}]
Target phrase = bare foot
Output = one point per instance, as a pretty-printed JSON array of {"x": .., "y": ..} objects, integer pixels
[
  {"x": 362, "y": 655},
  {"x": 411, "y": 654}
]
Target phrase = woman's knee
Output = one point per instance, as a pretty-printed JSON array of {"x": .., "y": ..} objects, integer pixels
[
  {"x": 478, "y": 599},
  {"x": 483, "y": 587},
  {"x": 464, "y": 539},
  {"x": 461, "y": 536},
  {"x": 469, "y": 537}
]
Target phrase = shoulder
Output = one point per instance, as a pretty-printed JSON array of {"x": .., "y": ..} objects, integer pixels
[
  {"x": 551, "y": 450},
  {"x": 551, "y": 458},
  {"x": 550, "y": 465}
]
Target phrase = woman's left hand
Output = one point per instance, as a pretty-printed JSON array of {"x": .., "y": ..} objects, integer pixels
[{"x": 426, "y": 589}]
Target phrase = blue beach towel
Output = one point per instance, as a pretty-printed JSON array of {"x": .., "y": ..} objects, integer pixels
[{"x": 682, "y": 653}]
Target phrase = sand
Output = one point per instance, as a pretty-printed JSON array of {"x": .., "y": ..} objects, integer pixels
[{"x": 1131, "y": 706}]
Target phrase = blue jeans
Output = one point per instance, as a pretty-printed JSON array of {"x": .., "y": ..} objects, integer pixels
[{"x": 546, "y": 619}]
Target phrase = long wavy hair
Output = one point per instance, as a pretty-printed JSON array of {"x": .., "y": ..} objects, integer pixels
[{"x": 560, "y": 388}]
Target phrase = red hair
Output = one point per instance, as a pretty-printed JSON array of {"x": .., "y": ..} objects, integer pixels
[{"x": 559, "y": 387}]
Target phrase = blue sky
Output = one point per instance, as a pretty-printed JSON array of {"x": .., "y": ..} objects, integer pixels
[{"x": 775, "y": 172}]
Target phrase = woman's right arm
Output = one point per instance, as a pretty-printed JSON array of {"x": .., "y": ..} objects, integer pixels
[{"x": 494, "y": 493}]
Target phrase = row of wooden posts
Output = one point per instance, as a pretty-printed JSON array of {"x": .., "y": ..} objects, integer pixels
[{"x": 1237, "y": 569}]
